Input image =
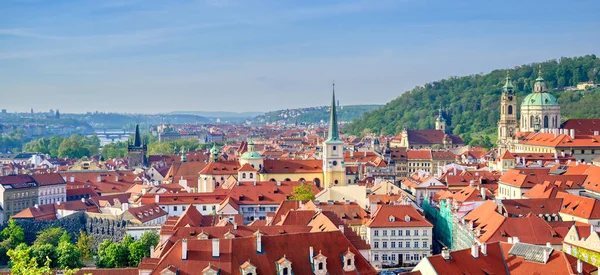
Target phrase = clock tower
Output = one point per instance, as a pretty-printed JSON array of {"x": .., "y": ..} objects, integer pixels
[
  {"x": 334, "y": 169},
  {"x": 508, "y": 124}
]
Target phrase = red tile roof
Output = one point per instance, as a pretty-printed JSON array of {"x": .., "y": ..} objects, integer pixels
[{"x": 381, "y": 218}]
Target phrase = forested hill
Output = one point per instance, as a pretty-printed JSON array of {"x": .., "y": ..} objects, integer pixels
[
  {"x": 471, "y": 103},
  {"x": 315, "y": 114}
]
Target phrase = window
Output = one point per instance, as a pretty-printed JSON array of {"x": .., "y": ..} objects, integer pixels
[
  {"x": 416, "y": 244},
  {"x": 424, "y": 255},
  {"x": 406, "y": 257},
  {"x": 384, "y": 232},
  {"x": 250, "y": 208},
  {"x": 214, "y": 207},
  {"x": 243, "y": 175},
  {"x": 273, "y": 209},
  {"x": 183, "y": 208},
  {"x": 376, "y": 233},
  {"x": 393, "y": 257},
  {"x": 424, "y": 244},
  {"x": 399, "y": 232},
  {"x": 174, "y": 208},
  {"x": 384, "y": 244},
  {"x": 407, "y": 232},
  {"x": 376, "y": 244},
  {"x": 334, "y": 148},
  {"x": 424, "y": 232},
  {"x": 261, "y": 208},
  {"x": 349, "y": 262},
  {"x": 251, "y": 175},
  {"x": 203, "y": 207},
  {"x": 285, "y": 271},
  {"x": 384, "y": 257},
  {"x": 399, "y": 244},
  {"x": 376, "y": 257},
  {"x": 407, "y": 244},
  {"x": 393, "y": 233},
  {"x": 416, "y": 232},
  {"x": 393, "y": 244},
  {"x": 320, "y": 266}
]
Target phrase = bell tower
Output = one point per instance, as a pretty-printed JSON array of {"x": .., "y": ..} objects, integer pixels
[
  {"x": 508, "y": 124},
  {"x": 440, "y": 121},
  {"x": 334, "y": 169}
]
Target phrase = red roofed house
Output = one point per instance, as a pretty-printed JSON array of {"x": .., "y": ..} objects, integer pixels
[
  {"x": 583, "y": 242},
  {"x": 399, "y": 235}
]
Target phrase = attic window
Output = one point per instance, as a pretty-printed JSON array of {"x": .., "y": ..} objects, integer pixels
[
  {"x": 407, "y": 218},
  {"x": 392, "y": 218}
]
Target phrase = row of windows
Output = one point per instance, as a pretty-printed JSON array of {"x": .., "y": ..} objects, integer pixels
[
  {"x": 392, "y": 257},
  {"x": 52, "y": 191},
  {"x": 400, "y": 231},
  {"x": 261, "y": 208},
  {"x": 399, "y": 245}
]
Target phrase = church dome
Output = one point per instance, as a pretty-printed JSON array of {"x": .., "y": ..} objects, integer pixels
[
  {"x": 251, "y": 155},
  {"x": 539, "y": 99}
]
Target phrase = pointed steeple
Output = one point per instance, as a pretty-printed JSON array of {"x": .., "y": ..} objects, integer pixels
[
  {"x": 137, "y": 139},
  {"x": 183, "y": 154},
  {"x": 540, "y": 78},
  {"x": 508, "y": 86},
  {"x": 540, "y": 83},
  {"x": 333, "y": 134}
]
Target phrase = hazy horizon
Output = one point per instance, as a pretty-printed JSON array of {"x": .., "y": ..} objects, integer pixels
[{"x": 150, "y": 56}]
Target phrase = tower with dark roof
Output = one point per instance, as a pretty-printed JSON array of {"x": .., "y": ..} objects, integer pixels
[
  {"x": 334, "y": 170},
  {"x": 136, "y": 151},
  {"x": 508, "y": 124}
]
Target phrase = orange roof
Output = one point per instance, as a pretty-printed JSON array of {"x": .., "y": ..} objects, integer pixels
[
  {"x": 583, "y": 207},
  {"x": 403, "y": 216}
]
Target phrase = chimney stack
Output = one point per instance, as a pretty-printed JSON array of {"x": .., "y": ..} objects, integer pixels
[
  {"x": 484, "y": 249},
  {"x": 446, "y": 254},
  {"x": 72, "y": 179},
  {"x": 215, "y": 248},
  {"x": 546, "y": 255},
  {"x": 474, "y": 250},
  {"x": 65, "y": 178},
  {"x": 483, "y": 193},
  {"x": 572, "y": 133},
  {"x": 184, "y": 249},
  {"x": 259, "y": 243},
  {"x": 156, "y": 198},
  {"x": 311, "y": 253},
  {"x": 99, "y": 178},
  {"x": 579, "y": 266},
  {"x": 341, "y": 228},
  {"x": 151, "y": 251},
  {"x": 515, "y": 240}
]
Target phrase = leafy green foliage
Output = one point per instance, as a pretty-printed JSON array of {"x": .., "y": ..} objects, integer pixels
[
  {"x": 316, "y": 114},
  {"x": 69, "y": 255},
  {"x": 24, "y": 263},
  {"x": 303, "y": 192},
  {"x": 75, "y": 146},
  {"x": 126, "y": 253},
  {"x": 84, "y": 243},
  {"x": 50, "y": 236},
  {"x": 43, "y": 252},
  {"x": 114, "y": 150},
  {"x": 471, "y": 103},
  {"x": 12, "y": 236}
]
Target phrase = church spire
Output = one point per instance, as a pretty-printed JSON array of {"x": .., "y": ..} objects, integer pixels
[
  {"x": 508, "y": 86},
  {"x": 333, "y": 126},
  {"x": 137, "y": 139}
]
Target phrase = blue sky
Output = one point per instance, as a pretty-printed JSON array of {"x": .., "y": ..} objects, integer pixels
[{"x": 154, "y": 56}]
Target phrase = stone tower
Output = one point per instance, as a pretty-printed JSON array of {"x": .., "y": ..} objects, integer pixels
[
  {"x": 136, "y": 151},
  {"x": 440, "y": 121},
  {"x": 334, "y": 170},
  {"x": 508, "y": 124}
]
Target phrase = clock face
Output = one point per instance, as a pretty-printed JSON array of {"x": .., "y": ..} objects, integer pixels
[{"x": 334, "y": 163}]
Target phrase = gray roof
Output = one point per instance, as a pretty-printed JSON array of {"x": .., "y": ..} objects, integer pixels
[{"x": 531, "y": 252}]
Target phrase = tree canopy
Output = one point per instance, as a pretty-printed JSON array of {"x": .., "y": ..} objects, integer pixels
[{"x": 303, "y": 192}]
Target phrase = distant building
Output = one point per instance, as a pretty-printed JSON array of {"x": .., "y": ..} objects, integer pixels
[{"x": 136, "y": 152}]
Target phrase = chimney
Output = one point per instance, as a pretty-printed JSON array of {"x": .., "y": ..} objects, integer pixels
[
  {"x": 446, "y": 254},
  {"x": 579, "y": 266},
  {"x": 151, "y": 251},
  {"x": 36, "y": 206},
  {"x": 484, "y": 249},
  {"x": 83, "y": 200},
  {"x": 373, "y": 208},
  {"x": 311, "y": 253},
  {"x": 215, "y": 248},
  {"x": 72, "y": 179},
  {"x": 548, "y": 244},
  {"x": 596, "y": 133},
  {"x": 269, "y": 220},
  {"x": 117, "y": 178},
  {"x": 125, "y": 207},
  {"x": 278, "y": 183},
  {"x": 235, "y": 227},
  {"x": 65, "y": 178},
  {"x": 546, "y": 255},
  {"x": 572, "y": 133},
  {"x": 156, "y": 198},
  {"x": 474, "y": 250},
  {"x": 515, "y": 240},
  {"x": 259, "y": 243},
  {"x": 483, "y": 193},
  {"x": 184, "y": 249},
  {"x": 341, "y": 227},
  {"x": 99, "y": 178},
  {"x": 509, "y": 240}
]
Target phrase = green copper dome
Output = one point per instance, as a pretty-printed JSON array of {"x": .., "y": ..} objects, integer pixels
[
  {"x": 539, "y": 99},
  {"x": 251, "y": 155},
  {"x": 214, "y": 150}
]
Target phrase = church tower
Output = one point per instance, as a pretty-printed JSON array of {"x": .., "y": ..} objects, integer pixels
[
  {"x": 136, "y": 151},
  {"x": 440, "y": 122},
  {"x": 334, "y": 169},
  {"x": 508, "y": 124},
  {"x": 540, "y": 109}
]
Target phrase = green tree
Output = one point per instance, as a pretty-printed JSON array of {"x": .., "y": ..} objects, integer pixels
[
  {"x": 136, "y": 253},
  {"x": 42, "y": 252},
  {"x": 69, "y": 256},
  {"x": 149, "y": 239},
  {"x": 303, "y": 192},
  {"x": 50, "y": 236},
  {"x": 84, "y": 243},
  {"x": 14, "y": 233},
  {"x": 111, "y": 255},
  {"x": 22, "y": 262}
]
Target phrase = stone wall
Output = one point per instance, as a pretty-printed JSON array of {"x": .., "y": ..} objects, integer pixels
[
  {"x": 103, "y": 227},
  {"x": 72, "y": 224}
]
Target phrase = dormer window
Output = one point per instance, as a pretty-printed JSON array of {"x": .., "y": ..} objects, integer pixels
[
  {"x": 348, "y": 261},
  {"x": 284, "y": 266},
  {"x": 247, "y": 268},
  {"x": 407, "y": 218},
  {"x": 320, "y": 264},
  {"x": 392, "y": 218}
]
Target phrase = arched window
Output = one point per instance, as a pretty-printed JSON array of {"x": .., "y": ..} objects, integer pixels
[
  {"x": 243, "y": 175},
  {"x": 302, "y": 180},
  {"x": 285, "y": 271},
  {"x": 336, "y": 181},
  {"x": 272, "y": 179},
  {"x": 251, "y": 175},
  {"x": 317, "y": 182},
  {"x": 287, "y": 179},
  {"x": 546, "y": 124},
  {"x": 510, "y": 109},
  {"x": 531, "y": 122},
  {"x": 320, "y": 266}
]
